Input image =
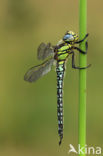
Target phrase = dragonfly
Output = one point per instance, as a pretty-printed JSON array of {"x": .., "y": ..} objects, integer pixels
[{"x": 59, "y": 54}]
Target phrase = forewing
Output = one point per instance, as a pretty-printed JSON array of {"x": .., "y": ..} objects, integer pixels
[
  {"x": 36, "y": 72},
  {"x": 40, "y": 50},
  {"x": 44, "y": 51}
]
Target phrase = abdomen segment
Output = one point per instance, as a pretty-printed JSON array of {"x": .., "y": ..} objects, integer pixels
[{"x": 60, "y": 75}]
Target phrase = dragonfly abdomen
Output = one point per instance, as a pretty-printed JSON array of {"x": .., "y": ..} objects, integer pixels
[{"x": 60, "y": 74}]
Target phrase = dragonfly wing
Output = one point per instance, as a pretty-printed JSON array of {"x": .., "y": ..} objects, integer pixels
[
  {"x": 44, "y": 51},
  {"x": 36, "y": 72},
  {"x": 40, "y": 50}
]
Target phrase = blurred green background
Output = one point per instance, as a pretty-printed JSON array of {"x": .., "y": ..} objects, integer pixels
[{"x": 28, "y": 119}]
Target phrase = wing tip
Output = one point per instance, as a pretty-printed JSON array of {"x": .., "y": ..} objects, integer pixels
[{"x": 27, "y": 79}]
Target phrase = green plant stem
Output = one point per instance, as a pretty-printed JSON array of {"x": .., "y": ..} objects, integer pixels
[{"x": 82, "y": 75}]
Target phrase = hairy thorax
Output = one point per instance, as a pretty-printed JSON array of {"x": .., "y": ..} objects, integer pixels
[{"x": 62, "y": 52}]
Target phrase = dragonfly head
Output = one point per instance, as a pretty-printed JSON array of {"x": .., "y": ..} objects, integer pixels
[{"x": 70, "y": 37}]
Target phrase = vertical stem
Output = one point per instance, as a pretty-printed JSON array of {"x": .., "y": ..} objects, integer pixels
[{"x": 82, "y": 76}]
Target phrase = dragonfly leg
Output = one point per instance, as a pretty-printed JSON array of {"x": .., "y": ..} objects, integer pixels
[
  {"x": 73, "y": 63},
  {"x": 82, "y": 39},
  {"x": 80, "y": 50}
]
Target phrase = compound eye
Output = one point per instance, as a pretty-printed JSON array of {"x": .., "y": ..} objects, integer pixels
[
  {"x": 68, "y": 37},
  {"x": 71, "y": 38}
]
